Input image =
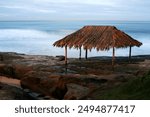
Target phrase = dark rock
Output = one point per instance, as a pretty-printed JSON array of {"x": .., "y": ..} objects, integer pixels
[
  {"x": 7, "y": 70},
  {"x": 1, "y": 58},
  {"x": 122, "y": 78},
  {"x": 60, "y": 90},
  {"x": 9, "y": 56},
  {"x": 60, "y": 58},
  {"x": 48, "y": 98},
  {"x": 26, "y": 90},
  {"x": 21, "y": 70},
  {"x": 8, "y": 92},
  {"x": 34, "y": 95},
  {"x": 44, "y": 83},
  {"x": 141, "y": 73},
  {"x": 76, "y": 91},
  {"x": 83, "y": 80},
  {"x": 14, "y": 71}
]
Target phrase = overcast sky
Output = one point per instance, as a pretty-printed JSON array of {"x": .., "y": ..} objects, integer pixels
[{"x": 74, "y": 9}]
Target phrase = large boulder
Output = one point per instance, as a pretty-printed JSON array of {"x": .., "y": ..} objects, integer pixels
[
  {"x": 14, "y": 71},
  {"x": 61, "y": 86},
  {"x": 7, "y": 70},
  {"x": 21, "y": 70},
  {"x": 45, "y": 83},
  {"x": 60, "y": 90}
]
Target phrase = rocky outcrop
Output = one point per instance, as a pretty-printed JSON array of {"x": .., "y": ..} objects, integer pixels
[
  {"x": 60, "y": 58},
  {"x": 8, "y": 92},
  {"x": 14, "y": 71},
  {"x": 48, "y": 78},
  {"x": 61, "y": 86},
  {"x": 7, "y": 70},
  {"x": 45, "y": 83},
  {"x": 76, "y": 91}
]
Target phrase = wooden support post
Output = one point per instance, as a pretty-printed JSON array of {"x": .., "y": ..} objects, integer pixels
[
  {"x": 113, "y": 57},
  {"x": 86, "y": 52},
  {"x": 130, "y": 49},
  {"x": 65, "y": 55},
  {"x": 80, "y": 53}
]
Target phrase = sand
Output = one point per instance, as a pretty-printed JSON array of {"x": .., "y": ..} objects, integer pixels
[{"x": 10, "y": 81}]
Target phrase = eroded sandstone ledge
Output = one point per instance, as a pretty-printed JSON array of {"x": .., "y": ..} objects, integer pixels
[{"x": 46, "y": 77}]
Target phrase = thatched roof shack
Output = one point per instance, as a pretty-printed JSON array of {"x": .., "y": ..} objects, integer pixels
[{"x": 99, "y": 37}]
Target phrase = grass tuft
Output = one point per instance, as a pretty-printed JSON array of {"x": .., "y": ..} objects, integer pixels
[{"x": 135, "y": 89}]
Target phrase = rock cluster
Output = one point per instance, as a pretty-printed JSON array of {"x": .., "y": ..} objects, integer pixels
[{"x": 45, "y": 77}]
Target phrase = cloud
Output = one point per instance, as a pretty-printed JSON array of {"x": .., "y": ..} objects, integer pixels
[
  {"x": 96, "y": 2},
  {"x": 3, "y": 15},
  {"x": 72, "y": 9},
  {"x": 28, "y": 8}
]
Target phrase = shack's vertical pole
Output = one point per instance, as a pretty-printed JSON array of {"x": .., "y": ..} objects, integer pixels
[
  {"x": 130, "y": 49},
  {"x": 80, "y": 53},
  {"x": 86, "y": 52},
  {"x": 65, "y": 55},
  {"x": 113, "y": 57}
]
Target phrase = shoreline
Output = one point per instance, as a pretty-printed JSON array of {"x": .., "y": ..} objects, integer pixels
[{"x": 91, "y": 57}]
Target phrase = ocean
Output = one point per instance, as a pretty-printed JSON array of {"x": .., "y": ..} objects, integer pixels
[{"x": 37, "y": 37}]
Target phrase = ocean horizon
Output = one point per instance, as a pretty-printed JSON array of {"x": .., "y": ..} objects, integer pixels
[{"x": 37, "y": 37}]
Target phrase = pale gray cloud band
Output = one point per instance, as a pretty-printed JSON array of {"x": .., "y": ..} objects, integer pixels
[{"x": 75, "y": 9}]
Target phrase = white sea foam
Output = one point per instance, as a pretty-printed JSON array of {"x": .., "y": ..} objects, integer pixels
[
  {"x": 27, "y": 41},
  {"x": 21, "y": 34},
  {"x": 40, "y": 42}
]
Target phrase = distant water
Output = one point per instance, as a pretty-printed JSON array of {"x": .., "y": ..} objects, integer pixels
[{"x": 37, "y": 37}]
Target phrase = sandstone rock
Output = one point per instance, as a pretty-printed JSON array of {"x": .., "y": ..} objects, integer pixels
[
  {"x": 83, "y": 80},
  {"x": 8, "y": 92},
  {"x": 14, "y": 71},
  {"x": 76, "y": 91},
  {"x": 123, "y": 77},
  {"x": 60, "y": 90},
  {"x": 45, "y": 83},
  {"x": 35, "y": 80},
  {"x": 21, "y": 70},
  {"x": 141, "y": 73},
  {"x": 7, "y": 70}
]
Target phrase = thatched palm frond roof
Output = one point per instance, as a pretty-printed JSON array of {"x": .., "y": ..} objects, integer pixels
[{"x": 99, "y": 37}]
